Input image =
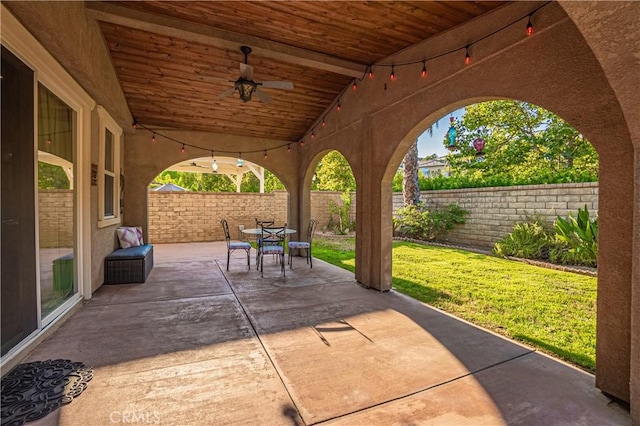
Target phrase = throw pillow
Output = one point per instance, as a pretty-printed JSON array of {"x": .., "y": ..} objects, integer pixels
[{"x": 129, "y": 236}]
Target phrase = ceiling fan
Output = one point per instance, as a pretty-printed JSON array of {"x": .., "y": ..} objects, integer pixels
[{"x": 246, "y": 87}]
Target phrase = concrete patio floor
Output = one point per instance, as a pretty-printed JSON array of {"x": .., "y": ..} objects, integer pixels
[{"x": 197, "y": 345}]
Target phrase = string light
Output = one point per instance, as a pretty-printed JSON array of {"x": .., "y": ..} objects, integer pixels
[
  {"x": 369, "y": 72},
  {"x": 214, "y": 166},
  {"x": 49, "y": 140}
]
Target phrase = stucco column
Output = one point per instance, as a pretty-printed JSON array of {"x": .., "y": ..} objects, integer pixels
[
  {"x": 615, "y": 244},
  {"x": 136, "y": 204},
  {"x": 635, "y": 299},
  {"x": 374, "y": 229},
  {"x": 295, "y": 207}
]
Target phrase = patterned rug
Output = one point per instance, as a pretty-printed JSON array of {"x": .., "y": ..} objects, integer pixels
[{"x": 31, "y": 391}]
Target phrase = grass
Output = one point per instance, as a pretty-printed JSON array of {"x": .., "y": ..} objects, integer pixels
[{"x": 551, "y": 310}]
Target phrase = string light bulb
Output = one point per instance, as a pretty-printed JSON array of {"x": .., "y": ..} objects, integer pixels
[
  {"x": 313, "y": 135},
  {"x": 153, "y": 138},
  {"x": 529, "y": 27},
  {"x": 214, "y": 166},
  {"x": 392, "y": 76},
  {"x": 240, "y": 160},
  {"x": 467, "y": 57},
  {"x": 135, "y": 123},
  {"x": 338, "y": 108},
  {"x": 182, "y": 150},
  {"x": 301, "y": 142},
  {"x": 289, "y": 149},
  {"x": 355, "y": 85},
  {"x": 49, "y": 140},
  {"x": 370, "y": 72},
  {"x": 324, "y": 122},
  {"x": 424, "y": 69}
]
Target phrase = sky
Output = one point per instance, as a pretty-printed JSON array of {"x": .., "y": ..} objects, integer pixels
[{"x": 428, "y": 145}]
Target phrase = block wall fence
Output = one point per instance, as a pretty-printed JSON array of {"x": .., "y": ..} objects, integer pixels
[
  {"x": 493, "y": 211},
  {"x": 195, "y": 216}
]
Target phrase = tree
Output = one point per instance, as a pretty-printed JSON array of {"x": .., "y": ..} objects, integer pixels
[
  {"x": 410, "y": 188},
  {"x": 334, "y": 174},
  {"x": 51, "y": 176},
  {"x": 522, "y": 140}
]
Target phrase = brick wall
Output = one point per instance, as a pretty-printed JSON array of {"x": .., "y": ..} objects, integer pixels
[
  {"x": 320, "y": 201},
  {"x": 493, "y": 211},
  {"x": 195, "y": 216},
  {"x": 55, "y": 215}
]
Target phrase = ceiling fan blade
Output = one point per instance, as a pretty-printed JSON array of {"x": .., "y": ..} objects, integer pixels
[
  {"x": 287, "y": 85},
  {"x": 265, "y": 98},
  {"x": 226, "y": 93},
  {"x": 246, "y": 71}
]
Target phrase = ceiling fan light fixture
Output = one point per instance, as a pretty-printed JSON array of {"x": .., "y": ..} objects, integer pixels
[{"x": 245, "y": 88}]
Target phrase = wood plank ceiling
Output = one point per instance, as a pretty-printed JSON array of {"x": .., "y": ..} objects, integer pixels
[{"x": 174, "y": 58}]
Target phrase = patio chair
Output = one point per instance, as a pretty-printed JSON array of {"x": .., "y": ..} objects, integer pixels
[
  {"x": 303, "y": 245},
  {"x": 259, "y": 224},
  {"x": 272, "y": 240},
  {"x": 235, "y": 245}
]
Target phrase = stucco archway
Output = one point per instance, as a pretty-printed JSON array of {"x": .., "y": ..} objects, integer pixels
[{"x": 556, "y": 70}]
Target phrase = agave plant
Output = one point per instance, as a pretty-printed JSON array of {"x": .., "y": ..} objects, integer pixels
[{"x": 580, "y": 234}]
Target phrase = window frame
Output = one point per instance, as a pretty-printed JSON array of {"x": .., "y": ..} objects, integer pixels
[{"x": 106, "y": 122}]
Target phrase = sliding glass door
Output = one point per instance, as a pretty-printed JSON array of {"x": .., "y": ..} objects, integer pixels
[{"x": 56, "y": 200}]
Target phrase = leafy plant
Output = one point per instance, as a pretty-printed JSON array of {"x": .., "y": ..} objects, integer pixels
[
  {"x": 343, "y": 224},
  {"x": 529, "y": 240},
  {"x": 428, "y": 223},
  {"x": 578, "y": 239}
]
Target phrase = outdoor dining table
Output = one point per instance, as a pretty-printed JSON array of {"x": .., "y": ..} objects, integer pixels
[{"x": 258, "y": 231}]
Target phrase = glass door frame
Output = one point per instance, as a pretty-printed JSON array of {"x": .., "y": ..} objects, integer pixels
[{"x": 52, "y": 75}]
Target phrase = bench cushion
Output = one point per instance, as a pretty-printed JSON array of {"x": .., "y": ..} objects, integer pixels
[{"x": 138, "y": 252}]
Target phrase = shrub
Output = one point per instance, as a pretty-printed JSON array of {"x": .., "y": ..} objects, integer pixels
[
  {"x": 430, "y": 223},
  {"x": 343, "y": 224},
  {"x": 528, "y": 240},
  {"x": 577, "y": 239}
]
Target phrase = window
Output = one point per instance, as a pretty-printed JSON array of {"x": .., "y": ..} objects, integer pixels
[{"x": 109, "y": 171}]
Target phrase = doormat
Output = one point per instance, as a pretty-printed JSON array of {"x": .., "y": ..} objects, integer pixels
[{"x": 32, "y": 390}]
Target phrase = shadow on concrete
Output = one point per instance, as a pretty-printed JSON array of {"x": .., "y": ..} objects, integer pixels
[{"x": 195, "y": 341}]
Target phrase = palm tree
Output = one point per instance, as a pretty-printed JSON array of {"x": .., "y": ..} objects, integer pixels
[{"x": 410, "y": 186}]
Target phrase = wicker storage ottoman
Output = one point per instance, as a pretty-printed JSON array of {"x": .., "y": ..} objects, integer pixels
[{"x": 130, "y": 265}]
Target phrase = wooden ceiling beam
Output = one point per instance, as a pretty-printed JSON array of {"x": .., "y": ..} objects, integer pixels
[{"x": 215, "y": 37}]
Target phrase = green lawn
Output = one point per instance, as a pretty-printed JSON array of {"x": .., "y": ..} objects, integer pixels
[{"x": 551, "y": 310}]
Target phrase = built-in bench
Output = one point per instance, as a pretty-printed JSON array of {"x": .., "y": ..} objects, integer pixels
[{"x": 129, "y": 265}]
